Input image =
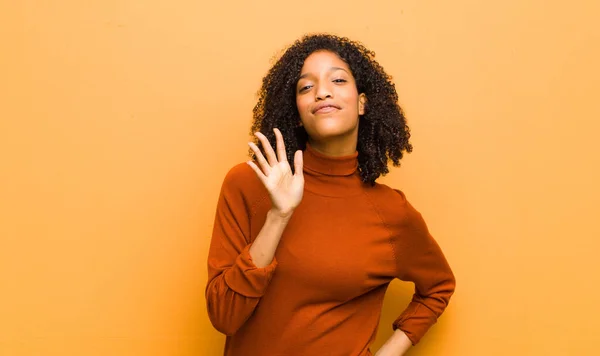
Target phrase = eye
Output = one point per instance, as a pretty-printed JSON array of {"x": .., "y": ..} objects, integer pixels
[
  {"x": 340, "y": 80},
  {"x": 304, "y": 88}
]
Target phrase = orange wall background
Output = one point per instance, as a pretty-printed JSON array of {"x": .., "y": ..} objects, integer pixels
[{"x": 119, "y": 120}]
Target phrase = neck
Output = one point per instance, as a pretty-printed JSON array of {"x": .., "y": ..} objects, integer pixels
[
  {"x": 327, "y": 175},
  {"x": 334, "y": 148}
]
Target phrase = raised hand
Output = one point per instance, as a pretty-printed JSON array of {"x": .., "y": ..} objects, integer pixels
[{"x": 285, "y": 189}]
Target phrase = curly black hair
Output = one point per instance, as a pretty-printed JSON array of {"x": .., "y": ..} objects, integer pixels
[{"x": 383, "y": 134}]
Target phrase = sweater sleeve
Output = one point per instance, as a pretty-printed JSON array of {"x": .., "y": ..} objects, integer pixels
[
  {"x": 235, "y": 285},
  {"x": 421, "y": 261}
]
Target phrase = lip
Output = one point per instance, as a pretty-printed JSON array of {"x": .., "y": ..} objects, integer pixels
[{"x": 325, "y": 108}]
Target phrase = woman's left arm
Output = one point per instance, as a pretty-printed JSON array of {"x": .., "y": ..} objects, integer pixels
[
  {"x": 396, "y": 345},
  {"x": 420, "y": 260}
]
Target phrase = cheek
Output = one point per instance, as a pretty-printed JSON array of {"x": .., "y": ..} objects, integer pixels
[
  {"x": 302, "y": 106},
  {"x": 351, "y": 101},
  {"x": 348, "y": 95}
]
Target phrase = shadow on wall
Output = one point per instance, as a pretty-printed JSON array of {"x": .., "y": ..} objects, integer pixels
[
  {"x": 397, "y": 297},
  {"x": 210, "y": 342}
]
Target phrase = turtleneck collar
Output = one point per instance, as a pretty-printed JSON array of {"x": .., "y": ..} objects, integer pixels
[
  {"x": 317, "y": 162},
  {"x": 331, "y": 176}
]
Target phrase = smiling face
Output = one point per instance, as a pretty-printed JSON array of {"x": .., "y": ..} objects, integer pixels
[{"x": 329, "y": 103}]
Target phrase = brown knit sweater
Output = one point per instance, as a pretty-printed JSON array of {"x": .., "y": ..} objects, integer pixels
[{"x": 323, "y": 292}]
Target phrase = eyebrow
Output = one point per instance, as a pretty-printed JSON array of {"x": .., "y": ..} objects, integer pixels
[{"x": 330, "y": 70}]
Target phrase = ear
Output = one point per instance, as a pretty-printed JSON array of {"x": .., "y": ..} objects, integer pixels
[{"x": 362, "y": 101}]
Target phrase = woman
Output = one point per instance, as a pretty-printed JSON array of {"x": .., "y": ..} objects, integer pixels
[{"x": 300, "y": 259}]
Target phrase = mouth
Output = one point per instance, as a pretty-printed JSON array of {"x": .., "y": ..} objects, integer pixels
[{"x": 325, "y": 108}]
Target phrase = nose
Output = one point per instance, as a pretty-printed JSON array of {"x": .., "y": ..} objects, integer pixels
[{"x": 323, "y": 92}]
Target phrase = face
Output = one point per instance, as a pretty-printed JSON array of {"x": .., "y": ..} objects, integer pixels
[{"x": 327, "y": 99}]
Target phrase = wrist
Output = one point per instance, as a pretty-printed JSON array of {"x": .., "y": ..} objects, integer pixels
[{"x": 280, "y": 216}]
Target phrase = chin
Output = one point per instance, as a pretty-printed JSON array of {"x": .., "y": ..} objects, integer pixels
[
  {"x": 331, "y": 132},
  {"x": 328, "y": 127}
]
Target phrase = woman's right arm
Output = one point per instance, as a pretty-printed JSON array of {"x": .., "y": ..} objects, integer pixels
[
  {"x": 237, "y": 277},
  {"x": 239, "y": 272}
]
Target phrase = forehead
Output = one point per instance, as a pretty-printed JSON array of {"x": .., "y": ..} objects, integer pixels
[{"x": 323, "y": 60}]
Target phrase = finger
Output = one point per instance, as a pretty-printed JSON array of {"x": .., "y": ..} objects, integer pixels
[
  {"x": 281, "y": 154},
  {"x": 298, "y": 163},
  {"x": 257, "y": 170},
  {"x": 267, "y": 148},
  {"x": 264, "y": 165}
]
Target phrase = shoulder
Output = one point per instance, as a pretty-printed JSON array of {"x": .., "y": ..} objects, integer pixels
[
  {"x": 240, "y": 174},
  {"x": 241, "y": 182},
  {"x": 393, "y": 206}
]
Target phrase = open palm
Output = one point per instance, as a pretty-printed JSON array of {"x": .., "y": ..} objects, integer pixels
[{"x": 285, "y": 188}]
